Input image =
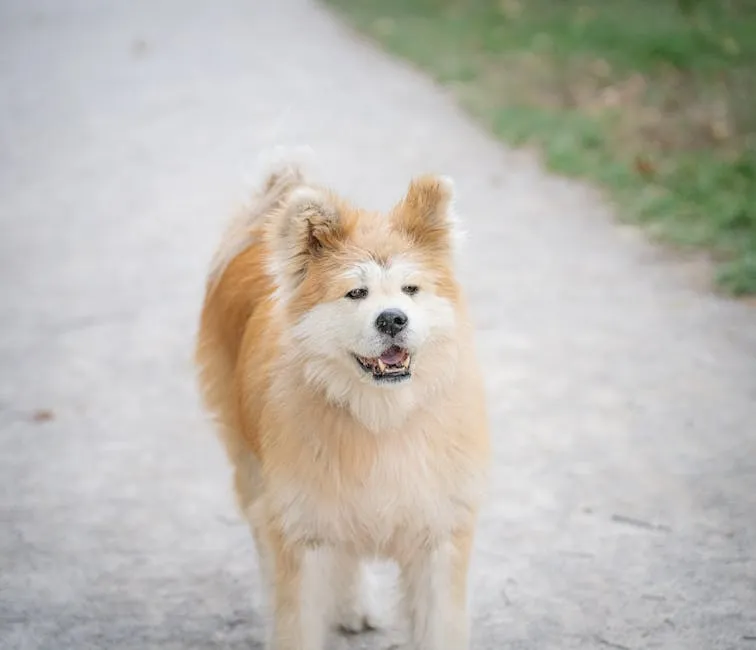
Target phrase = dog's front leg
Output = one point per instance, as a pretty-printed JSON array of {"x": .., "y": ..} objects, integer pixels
[
  {"x": 300, "y": 611},
  {"x": 435, "y": 594}
]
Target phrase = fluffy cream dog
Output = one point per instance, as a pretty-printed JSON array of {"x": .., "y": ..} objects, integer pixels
[{"x": 336, "y": 352}]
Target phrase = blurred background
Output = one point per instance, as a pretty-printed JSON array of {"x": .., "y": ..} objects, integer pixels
[
  {"x": 603, "y": 154},
  {"x": 653, "y": 100}
]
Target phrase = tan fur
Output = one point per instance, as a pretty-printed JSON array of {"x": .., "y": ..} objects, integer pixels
[{"x": 390, "y": 472}]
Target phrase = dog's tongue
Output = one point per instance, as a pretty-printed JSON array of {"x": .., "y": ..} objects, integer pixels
[{"x": 393, "y": 356}]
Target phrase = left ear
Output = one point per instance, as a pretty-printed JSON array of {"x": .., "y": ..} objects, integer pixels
[{"x": 425, "y": 213}]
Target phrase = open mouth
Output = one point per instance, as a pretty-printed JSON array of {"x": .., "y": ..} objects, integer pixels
[{"x": 392, "y": 365}]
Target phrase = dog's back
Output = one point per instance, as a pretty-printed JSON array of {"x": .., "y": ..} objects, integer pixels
[{"x": 238, "y": 287}]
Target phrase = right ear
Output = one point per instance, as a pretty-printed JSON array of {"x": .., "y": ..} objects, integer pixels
[
  {"x": 425, "y": 213},
  {"x": 309, "y": 223}
]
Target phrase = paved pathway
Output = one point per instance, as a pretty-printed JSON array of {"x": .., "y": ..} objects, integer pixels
[{"x": 623, "y": 397}]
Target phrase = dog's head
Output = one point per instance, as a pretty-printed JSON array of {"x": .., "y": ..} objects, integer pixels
[{"x": 371, "y": 298}]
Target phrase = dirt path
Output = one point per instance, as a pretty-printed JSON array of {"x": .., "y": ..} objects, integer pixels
[{"x": 623, "y": 507}]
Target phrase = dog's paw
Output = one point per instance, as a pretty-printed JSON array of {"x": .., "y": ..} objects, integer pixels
[
  {"x": 360, "y": 617},
  {"x": 357, "y": 624}
]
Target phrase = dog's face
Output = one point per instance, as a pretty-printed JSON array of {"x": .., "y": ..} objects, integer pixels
[
  {"x": 377, "y": 317},
  {"x": 371, "y": 297}
]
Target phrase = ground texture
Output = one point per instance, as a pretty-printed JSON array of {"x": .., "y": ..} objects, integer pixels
[{"x": 622, "y": 511}]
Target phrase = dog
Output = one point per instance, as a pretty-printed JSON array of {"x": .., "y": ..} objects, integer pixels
[{"x": 336, "y": 353}]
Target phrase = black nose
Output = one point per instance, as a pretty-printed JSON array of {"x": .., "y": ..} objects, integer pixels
[{"x": 391, "y": 322}]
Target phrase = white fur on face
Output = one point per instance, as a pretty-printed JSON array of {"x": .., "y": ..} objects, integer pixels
[
  {"x": 330, "y": 334},
  {"x": 344, "y": 327}
]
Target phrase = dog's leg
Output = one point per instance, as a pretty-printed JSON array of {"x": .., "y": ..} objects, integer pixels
[
  {"x": 354, "y": 604},
  {"x": 300, "y": 611},
  {"x": 458, "y": 623},
  {"x": 296, "y": 612},
  {"x": 248, "y": 488},
  {"x": 435, "y": 594}
]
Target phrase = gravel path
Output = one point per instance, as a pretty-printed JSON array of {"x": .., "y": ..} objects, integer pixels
[{"x": 623, "y": 397}]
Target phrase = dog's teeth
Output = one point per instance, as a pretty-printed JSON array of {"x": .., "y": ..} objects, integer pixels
[
  {"x": 406, "y": 361},
  {"x": 381, "y": 366}
]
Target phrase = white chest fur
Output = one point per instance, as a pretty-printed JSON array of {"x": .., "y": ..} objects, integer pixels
[{"x": 410, "y": 491}]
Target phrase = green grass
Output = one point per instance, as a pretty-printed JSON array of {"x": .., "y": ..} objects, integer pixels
[{"x": 653, "y": 99}]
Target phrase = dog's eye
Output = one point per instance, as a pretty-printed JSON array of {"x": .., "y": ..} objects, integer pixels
[
  {"x": 410, "y": 289},
  {"x": 357, "y": 294}
]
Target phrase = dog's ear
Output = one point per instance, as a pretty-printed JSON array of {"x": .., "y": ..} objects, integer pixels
[
  {"x": 309, "y": 224},
  {"x": 425, "y": 213}
]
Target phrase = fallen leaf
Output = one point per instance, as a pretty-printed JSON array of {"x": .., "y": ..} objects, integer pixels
[
  {"x": 644, "y": 167},
  {"x": 42, "y": 415}
]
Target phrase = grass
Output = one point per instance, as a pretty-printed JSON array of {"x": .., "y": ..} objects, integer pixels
[{"x": 653, "y": 99}]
